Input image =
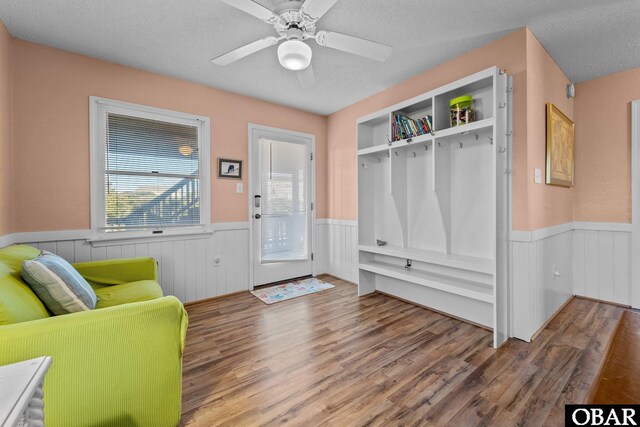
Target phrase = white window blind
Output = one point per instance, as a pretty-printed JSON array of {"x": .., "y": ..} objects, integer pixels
[
  {"x": 283, "y": 176},
  {"x": 149, "y": 176}
]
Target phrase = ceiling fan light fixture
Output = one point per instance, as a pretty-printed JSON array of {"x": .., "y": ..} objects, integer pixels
[{"x": 294, "y": 55}]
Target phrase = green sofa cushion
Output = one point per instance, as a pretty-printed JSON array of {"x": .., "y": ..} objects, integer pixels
[
  {"x": 142, "y": 290},
  {"x": 18, "y": 303}
]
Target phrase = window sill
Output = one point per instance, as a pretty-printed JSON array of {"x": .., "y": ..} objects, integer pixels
[{"x": 112, "y": 240}]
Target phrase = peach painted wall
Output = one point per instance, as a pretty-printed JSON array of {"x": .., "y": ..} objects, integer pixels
[
  {"x": 51, "y": 132},
  {"x": 547, "y": 205},
  {"x": 536, "y": 80},
  {"x": 603, "y": 148},
  {"x": 507, "y": 53},
  {"x": 6, "y": 164}
]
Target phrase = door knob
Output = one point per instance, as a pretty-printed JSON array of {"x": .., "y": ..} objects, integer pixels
[{"x": 257, "y": 216}]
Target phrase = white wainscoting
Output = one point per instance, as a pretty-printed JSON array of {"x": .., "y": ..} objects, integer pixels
[
  {"x": 552, "y": 264},
  {"x": 542, "y": 280},
  {"x": 186, "y": 266},
  {"x": 340, "y": 250},
  {"x": 602, "y": 264},
  {"x": 592, "y": 259}
]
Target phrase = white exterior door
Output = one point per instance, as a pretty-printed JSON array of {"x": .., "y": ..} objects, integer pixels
[{"x": 281, "y": 202}]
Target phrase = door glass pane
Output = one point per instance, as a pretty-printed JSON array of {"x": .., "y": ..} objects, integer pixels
[{"x": 283, "y": 185}]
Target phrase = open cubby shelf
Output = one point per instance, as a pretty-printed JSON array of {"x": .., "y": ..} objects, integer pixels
[
  {"x": 439, "y": 200},
  {"x": 419, "y": 277},
  {"x": 480, "y": 265}
]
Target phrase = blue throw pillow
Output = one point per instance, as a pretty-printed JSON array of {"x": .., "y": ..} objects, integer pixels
[{"x": 58, "y": 285}]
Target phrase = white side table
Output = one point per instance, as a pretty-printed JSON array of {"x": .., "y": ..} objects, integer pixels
[{"x": 21, "y": 403}]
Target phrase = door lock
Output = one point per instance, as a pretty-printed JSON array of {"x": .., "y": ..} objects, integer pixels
[{"x": 257, "y": 216}]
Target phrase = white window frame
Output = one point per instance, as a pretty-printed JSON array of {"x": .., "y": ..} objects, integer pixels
[{"x": 98, "y": 107}]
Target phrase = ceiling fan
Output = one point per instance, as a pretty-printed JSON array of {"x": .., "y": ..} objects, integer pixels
[{"x": 295, "y": 24}]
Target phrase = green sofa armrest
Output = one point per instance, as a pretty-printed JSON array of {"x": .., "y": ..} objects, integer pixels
[
  {"x": 118, "y": 271},
  {"x": 115, "y": 366}
]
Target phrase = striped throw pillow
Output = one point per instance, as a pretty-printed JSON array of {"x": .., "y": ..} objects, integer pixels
[{"x": 58, "y": 285}]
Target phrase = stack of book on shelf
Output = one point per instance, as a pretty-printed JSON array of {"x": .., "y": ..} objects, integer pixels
[{"x": 405, "y": 127}]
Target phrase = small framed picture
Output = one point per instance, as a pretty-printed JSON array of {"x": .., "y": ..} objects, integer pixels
[{"x": 229, "y": 168}]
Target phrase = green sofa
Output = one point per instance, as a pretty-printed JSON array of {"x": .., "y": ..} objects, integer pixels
[{"x": 117, "y": 365}]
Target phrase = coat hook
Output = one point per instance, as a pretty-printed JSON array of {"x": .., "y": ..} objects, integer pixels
[
  {"x": 477, "y": 137},
  {"x": 509, "y": 133},
  {"x": 388, "y": 155},
  {"x": 414, "y": 154},
  {"x": 461, "y": 145},
  {"x": 502, "y": 150},
  {"x": 426, "y": 147},
  {"x": 491, "y": 140},
  {"x": 439, "y": 144},
  {"x": 502, "y": 104},
  {"x": 379, "y": 159},
  {"x": 364, "y": 166}
]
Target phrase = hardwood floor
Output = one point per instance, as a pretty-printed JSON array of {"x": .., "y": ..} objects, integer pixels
[{"x": 332, "y": 358}]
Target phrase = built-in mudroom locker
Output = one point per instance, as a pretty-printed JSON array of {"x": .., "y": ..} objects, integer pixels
[{"x": 434, "y": 200}]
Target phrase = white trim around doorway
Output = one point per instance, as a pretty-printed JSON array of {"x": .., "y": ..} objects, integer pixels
[{"x": 312, "y": 186}]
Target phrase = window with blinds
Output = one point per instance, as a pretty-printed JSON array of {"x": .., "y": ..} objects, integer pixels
[{"x": 149, "y": 171}]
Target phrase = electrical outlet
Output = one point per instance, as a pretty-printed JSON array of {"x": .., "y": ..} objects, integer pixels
[{"x": 554, "y": 271}]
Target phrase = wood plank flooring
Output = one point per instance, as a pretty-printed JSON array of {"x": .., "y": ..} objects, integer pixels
[{"x": 332, "y": 358}]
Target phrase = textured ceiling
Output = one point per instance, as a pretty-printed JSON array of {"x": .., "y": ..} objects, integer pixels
[{"x": 587, "y": 38}]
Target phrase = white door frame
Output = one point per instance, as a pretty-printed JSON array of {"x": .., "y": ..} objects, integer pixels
[
  {"x": 635, "y": 204},
  {"x": 312, "y": 186}
]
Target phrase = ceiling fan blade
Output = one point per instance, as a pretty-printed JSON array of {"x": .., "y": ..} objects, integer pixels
[
  {"x": 246, "y": 50},
  {"x": 316, "y": 8},
  {"x": 253, "y": 8},
  {"x": 355, "y": 45},
  {"x": 306, "y": 78}
]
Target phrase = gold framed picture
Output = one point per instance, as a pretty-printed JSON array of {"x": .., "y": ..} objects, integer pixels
[{"x": 560, "y": 148}]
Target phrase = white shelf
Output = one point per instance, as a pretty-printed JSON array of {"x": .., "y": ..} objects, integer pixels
[
  {"x": 373, "y": 150},
  {"x": 426, "y": 192},
  {"x": 414, "y": 140},
  {"x": 471, "y": 127},
  {"x": 463, "y": 262},
  {"x": 469, "y": 290}
]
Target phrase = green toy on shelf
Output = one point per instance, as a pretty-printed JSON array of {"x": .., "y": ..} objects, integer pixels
[{"x": 461, "y": 110}]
